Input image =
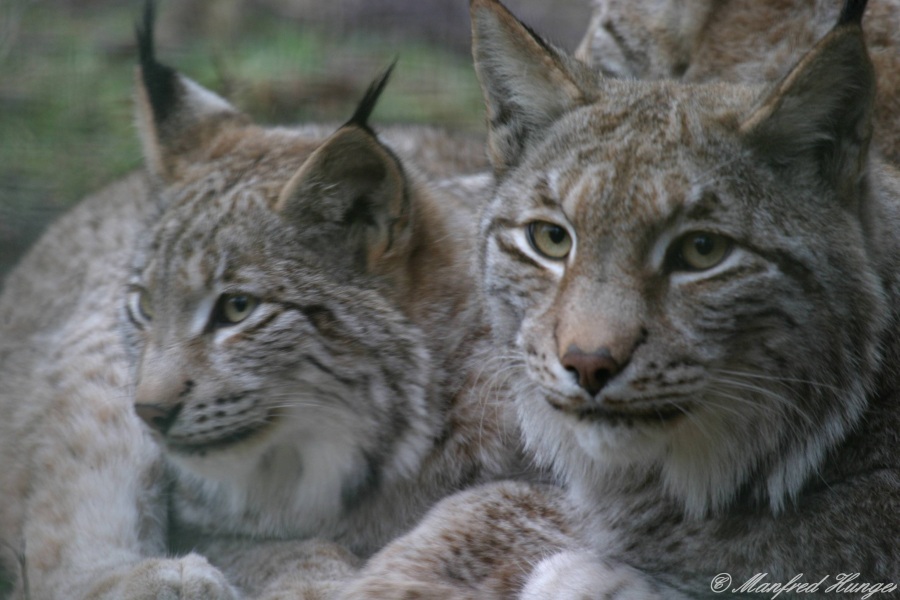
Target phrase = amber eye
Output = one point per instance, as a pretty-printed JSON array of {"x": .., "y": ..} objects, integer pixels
[
  {"x": 701, "y": 250},
  {"x": 549, "y": 239},
  {"x": 140, "y": 307},
  {"x": 234, "y": 308}
]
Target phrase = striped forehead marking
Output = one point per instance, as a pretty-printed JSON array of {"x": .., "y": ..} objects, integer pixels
[
  {"x": 598, "y": 190},
  {"x": 194, "y": 270}
]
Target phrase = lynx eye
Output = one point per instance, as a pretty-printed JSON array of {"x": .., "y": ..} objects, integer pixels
[
  {"x": 549, "y": 240},
  {"x": 234, "y": 308},
  {"x": 701, "y": 250},
  {"x": 140, "y": 306}
]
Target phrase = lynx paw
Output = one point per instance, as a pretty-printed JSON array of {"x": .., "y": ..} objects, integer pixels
[
  {"x": 582, "y": 576},
  {"x": 188, "y": 578}
]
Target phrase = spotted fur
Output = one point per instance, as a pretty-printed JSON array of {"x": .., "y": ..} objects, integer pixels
[
  {"x": 738, "y": 415},
  {"x": 273, "y": 452}
]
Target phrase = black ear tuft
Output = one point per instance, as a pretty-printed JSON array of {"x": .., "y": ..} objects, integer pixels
[
  {"x": 364, "y": 110},
  {"x": 852, "y": 12},
  {"x": 159, "y": 80}
]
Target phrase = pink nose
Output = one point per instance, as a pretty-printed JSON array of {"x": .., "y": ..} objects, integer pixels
[{"x": 592, "y": 369}]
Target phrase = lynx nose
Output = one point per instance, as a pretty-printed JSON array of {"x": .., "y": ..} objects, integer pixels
[
  {"x": 592, "y": 369},
  {"x": 158, "y": 416}
]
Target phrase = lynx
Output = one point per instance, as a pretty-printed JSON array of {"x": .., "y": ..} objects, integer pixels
[
  {"x": 739, "y": 41},
  {"x": 267, "y": 337},
  {"x": 697, "y": 289}
]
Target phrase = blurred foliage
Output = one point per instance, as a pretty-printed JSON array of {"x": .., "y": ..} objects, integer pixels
[{"x": 66, "y": 73}]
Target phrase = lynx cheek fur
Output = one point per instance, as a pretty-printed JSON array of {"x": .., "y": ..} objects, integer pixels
[
  {"x": 297, "y": 330},
  {"x": 697, "y": 287},
  {"x": 739, "y": 41}
]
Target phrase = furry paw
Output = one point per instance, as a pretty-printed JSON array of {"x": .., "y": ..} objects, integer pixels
[
  {"x": 188, "y": 578},
  {"x": 576, "y": 575}
]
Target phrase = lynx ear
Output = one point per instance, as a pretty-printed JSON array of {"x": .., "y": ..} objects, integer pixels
[
  {"x": 527, "y": 83},
  {"x": 176, "y": 117},
  {"x": 353, "y": 186},
  {"x": 819, "y": 117}
]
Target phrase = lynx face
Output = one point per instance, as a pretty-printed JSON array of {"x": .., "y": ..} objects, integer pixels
[
  {"x": 272, "y": 356},
  {"x": 679, "y": 274},
  {"x": 255, "y": 348}
]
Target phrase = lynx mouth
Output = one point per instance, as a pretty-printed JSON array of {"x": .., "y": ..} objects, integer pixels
[
  {"x": 201, "y": 448},
  {"x": 663, "y": 414}
]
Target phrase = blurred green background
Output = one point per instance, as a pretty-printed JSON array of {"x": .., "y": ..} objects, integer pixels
[{"x": 66, "y": 69}]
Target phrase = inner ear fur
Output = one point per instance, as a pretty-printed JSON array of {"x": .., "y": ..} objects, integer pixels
[{"x": 355, "y": 186}]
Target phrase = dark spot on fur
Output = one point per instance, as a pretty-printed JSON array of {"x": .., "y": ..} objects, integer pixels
[
  {"x": 358, "y": 487},
  {"x": 188, "y": 387},
  {"x": 621, "y": 43},
  {"x": 320, "y": 316}
]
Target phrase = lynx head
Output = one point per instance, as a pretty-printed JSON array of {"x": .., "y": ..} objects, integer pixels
[
  {"x": 681, "y": 274},
  {"x": 263, "y": 314}
]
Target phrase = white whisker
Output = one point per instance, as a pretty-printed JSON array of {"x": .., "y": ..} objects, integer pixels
[
  {"x": 779, "y": 399},
  {"x": 809, "y": 382}
]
